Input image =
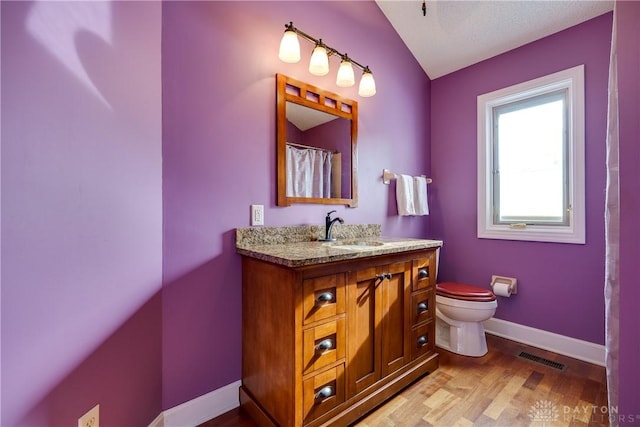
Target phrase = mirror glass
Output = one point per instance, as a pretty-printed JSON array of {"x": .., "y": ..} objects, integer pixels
[{"x": 316, "y": 150}]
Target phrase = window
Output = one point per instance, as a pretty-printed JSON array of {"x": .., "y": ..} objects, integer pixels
[{"x": 531, "y": 160}]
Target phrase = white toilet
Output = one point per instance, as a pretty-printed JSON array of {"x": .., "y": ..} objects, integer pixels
[{"x": 460, "y": 311}]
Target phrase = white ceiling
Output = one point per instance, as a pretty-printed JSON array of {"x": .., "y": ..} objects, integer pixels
[
  {"x": 459, "y": 33},
  {"x": 305, "y": 118}
]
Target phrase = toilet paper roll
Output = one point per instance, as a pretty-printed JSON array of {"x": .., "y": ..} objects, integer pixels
[{"x": 502, "y": 289}]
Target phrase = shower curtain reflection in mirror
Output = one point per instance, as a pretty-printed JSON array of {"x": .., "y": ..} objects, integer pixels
[{"x": 310, "y": 172}]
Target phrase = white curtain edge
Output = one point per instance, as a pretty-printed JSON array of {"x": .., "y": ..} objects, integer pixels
[{"x": 612, "y": 233}]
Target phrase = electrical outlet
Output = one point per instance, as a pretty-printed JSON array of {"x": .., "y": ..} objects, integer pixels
[
  {"x": 91, "y": 418},
  {"x": 257, "y": 214}
]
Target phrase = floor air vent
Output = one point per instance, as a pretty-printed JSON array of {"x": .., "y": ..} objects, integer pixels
[{"x": 542, "y": 361}]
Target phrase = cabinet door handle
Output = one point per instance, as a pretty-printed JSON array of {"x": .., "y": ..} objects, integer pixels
[
  {"x": 422, "y": 341},
  {"x": 384, "y": 276},
  {"x": 422, "y": 307},
  {"x": 423, "y": 273},
  {"x": 324, "y": 345},
  {"x": 324, "y": 297},
  {"x": 324, "y": 392}
]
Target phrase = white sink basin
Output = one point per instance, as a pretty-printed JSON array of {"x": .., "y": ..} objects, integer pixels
[{"x": 358, "y": 245}]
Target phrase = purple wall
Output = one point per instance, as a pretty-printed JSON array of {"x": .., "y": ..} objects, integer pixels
[
  {"x": 219, "y": 66},
  {"x": 293, "y": 133},
  {"x": 81, "y": 212},
  {"x": 560, "y": 286},
  {"x": 627, "y": 18},
  {"x": 87, "y": 199}
]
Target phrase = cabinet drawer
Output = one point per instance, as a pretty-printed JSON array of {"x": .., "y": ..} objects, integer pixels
[
  {"x": 322, "y": 392},
  {"x": 323, "y": 345},
  {"x": 422, "y": 306},
  {"x": 323, "y": 297},
  {"x": 422, "y": 340},
  {"x": 424, "y": 272}
]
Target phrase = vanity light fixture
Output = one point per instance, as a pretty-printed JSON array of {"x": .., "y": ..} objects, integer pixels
[
  {"x": 319, "y": 63},
  {"x": 345, "y": 77}
]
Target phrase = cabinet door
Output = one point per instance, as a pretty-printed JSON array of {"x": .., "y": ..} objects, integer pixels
[
  {"x": 363, "y": 333},
  {"x": 395, "y": 317},
  {"x": 379, "y": 328}
]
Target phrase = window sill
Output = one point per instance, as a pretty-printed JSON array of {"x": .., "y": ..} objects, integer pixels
[{"x": 534, "y": 234}]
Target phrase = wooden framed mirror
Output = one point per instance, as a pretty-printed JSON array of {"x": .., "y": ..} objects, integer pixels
[{"x": 316, "y": 145}]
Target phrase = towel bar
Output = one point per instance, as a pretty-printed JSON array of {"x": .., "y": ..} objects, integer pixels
[{"x": 387, "y": 176}]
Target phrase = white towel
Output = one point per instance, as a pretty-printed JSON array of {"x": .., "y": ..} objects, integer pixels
[
  {"x": 404, "y": 195},
  {"x": 420, "y": 199}
]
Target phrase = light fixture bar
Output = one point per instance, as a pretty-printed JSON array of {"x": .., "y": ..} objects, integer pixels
[
  {"x": 330, "y": 50},
  {"x": 319, "y": 64}
]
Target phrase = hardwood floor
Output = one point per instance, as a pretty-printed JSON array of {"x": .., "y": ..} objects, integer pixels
[{"x": 498, "y": 389}]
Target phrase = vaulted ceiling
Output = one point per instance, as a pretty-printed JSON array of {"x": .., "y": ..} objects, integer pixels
[{"x": 455, "y": 34}]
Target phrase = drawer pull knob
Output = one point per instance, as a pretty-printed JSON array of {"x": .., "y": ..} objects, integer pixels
[
  {"x": 422, "y": 307},
  {"x": 324, "y": 393},
  {"x": 324, "y": 345},
  {"x": 423, "y": 273},
  {"x": 324, "y": 297},
  {"x": 422, "y": 341}
]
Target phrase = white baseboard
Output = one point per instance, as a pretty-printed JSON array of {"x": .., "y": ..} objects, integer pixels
[
  {"x": 572, "y": 347},
  {"x": 200, "y": 409}
]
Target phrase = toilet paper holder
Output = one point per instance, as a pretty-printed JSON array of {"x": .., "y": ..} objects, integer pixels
[{"x": 510, "y": 281}]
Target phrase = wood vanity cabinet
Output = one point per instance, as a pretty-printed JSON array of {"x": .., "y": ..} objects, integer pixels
[{"x": 325, "y": 344}]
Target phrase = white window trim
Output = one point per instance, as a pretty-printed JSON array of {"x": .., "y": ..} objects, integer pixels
[{"x": 573, "y": 80}]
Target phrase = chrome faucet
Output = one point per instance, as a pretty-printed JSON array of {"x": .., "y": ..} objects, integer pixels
[{"x": 329, "y": 226}]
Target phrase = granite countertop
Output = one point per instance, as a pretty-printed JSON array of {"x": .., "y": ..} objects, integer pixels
[{"x": 298, "y": 246}]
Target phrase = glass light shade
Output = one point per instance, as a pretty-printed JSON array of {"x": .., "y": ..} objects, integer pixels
[
  {"x": 319, "y": 63},
  {"x": 345, "y": 74},
  {"x": 289, "y": 48},
  {"x": 367, "y": 85}
]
